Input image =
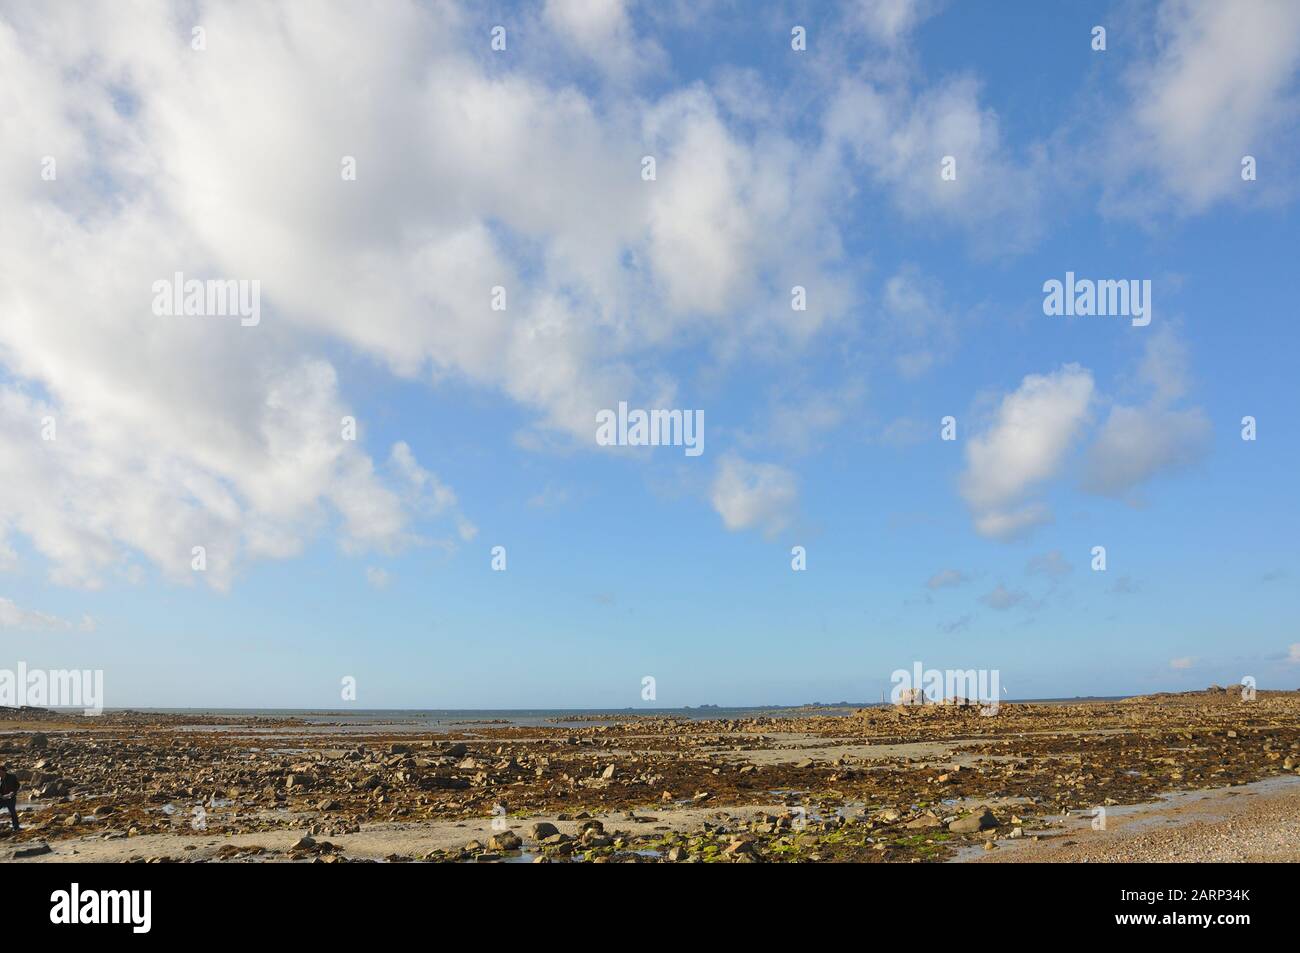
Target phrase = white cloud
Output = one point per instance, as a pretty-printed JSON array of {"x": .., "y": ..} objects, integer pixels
[
  {"x": 1026, "y": 444},
  {"x": 754, "y": 495},
  {"x": 378, "y": 578},
  {"x": 1164, "y": 367},
  {"x": 13, "y": 617},
  {"x": 175, "y": 432},
  {"x": 1182, "y": 664},
  {"x": 602, "y": 31},
  {"x": 1293, "y": 655},
  {"x": 1220, "y": 85},
  {"x": 1013, "y": 523},
  {"x": 889, "y": 21},
  {"x": 1139, "y": 442},
  {"x": 900, "y": 138}
]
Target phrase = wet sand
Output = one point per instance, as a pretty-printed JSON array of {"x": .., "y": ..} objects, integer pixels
[{"x": 1255, "y": 823}]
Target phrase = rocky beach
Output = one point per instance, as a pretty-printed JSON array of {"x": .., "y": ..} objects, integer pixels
[{"x": 1201, "y": 775}]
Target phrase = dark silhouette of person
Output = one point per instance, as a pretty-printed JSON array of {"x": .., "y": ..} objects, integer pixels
[{"x": 9, "y": 793}]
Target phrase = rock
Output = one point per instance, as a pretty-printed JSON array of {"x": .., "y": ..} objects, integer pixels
[
  {"x": 38, "y": 742},
  {"x": 911, "y": 696},
  {"x": 306, "y": 842},
  {"x": 971, "y": 823},
  {"x": 608, "y": 772},
  {"x": 456, "y": 751},
  {"x": 924, "y": 822},
  {"x": 544, "y": 829},
  {"x": 505, "y": 841},
  {"x": 31, "y": 850}
]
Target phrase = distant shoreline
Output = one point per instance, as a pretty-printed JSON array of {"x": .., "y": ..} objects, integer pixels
[{"x": 710, "y": 710}]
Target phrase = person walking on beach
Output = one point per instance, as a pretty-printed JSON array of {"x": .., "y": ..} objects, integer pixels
[{"x": 9, "y": 793}]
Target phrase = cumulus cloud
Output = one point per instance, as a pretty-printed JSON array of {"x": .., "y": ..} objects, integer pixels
[
  {"x": 177, "y": 432},
  {"x": 899, "y": 137},
  {"x": 602, "y": 31},
  {"x": 754, "y": 495},
  {"x": 1136, "y": 443},
  {"x": 1026, "y": 444},
  {"x": 1220, "y": 84}
]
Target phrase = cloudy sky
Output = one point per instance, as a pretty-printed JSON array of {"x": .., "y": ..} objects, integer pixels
[{"x": 919, "y": 169}]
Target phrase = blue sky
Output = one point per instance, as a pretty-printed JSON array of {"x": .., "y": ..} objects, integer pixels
[{"x": 523, "y": 168}]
